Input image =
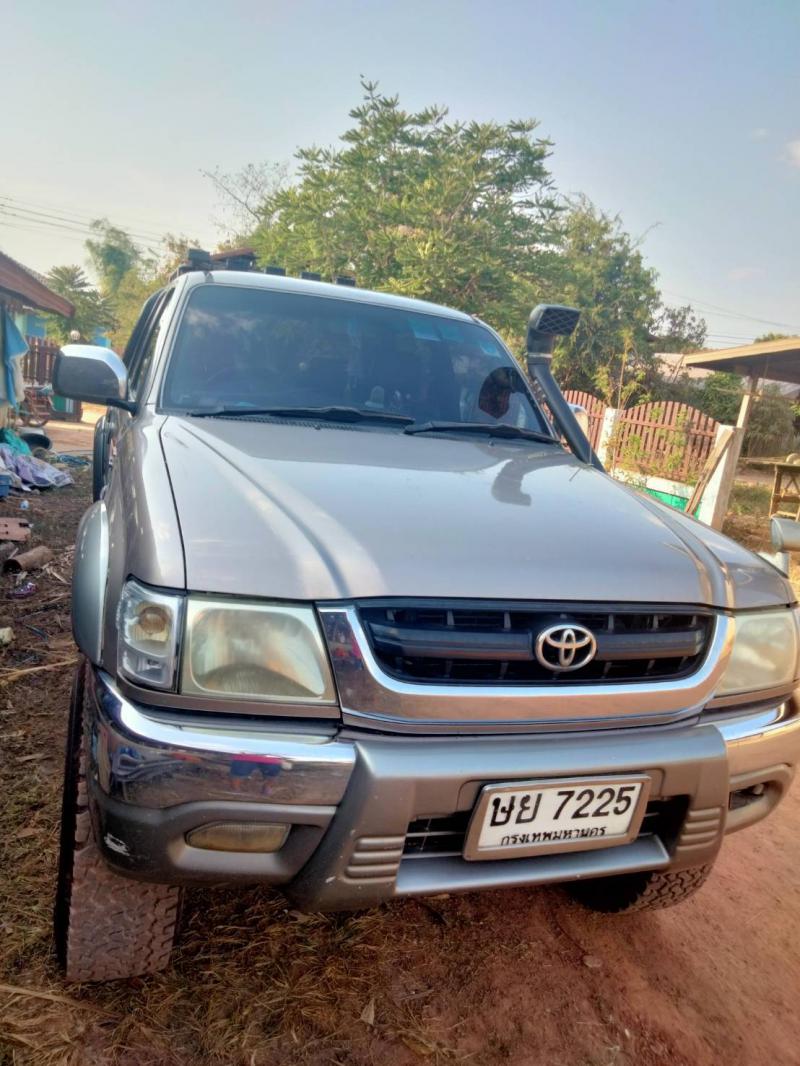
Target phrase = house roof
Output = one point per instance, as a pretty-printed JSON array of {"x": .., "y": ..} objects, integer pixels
[
  {"x": 673, "y": 364},
  {"x": 771, "y": 360},
  {"x": 21, "y": 285}
]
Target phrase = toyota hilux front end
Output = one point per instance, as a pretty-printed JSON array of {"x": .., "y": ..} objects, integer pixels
[{"x": 355, "y": 622}]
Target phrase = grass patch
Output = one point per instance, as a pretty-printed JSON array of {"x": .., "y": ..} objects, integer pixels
[{"x": 749, "y": 500}]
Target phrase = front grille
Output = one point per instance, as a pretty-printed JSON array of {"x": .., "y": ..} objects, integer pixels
[
  {"x": 443, "y": 837},
  {"x": 488, "y": 644}
]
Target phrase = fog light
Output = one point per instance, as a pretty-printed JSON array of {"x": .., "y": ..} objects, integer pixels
[{"x": 238, "y": 836}]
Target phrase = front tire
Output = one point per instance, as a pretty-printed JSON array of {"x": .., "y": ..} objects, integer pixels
[
  {"x": 106, "y": 926},
  {"x": 628, "y": 893}
]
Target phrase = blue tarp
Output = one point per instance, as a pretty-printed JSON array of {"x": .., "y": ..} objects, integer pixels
[{"x": 14, "y": 345}]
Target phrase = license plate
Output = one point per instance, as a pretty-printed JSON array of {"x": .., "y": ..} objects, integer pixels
[{"x": 533, "y": 817}]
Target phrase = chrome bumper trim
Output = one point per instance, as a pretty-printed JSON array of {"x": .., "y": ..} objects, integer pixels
[
  {"x": 759, "y": 740},
  {"x": 141, "y": 758}
]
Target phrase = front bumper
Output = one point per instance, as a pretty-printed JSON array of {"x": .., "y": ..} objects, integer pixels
[{"x": 349, "y": 799}]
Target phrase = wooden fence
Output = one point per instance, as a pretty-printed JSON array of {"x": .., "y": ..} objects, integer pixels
[
  {"x": 663, "y": 439},
  {"x": 595, "y": 409},
  {"x": 666, "y": 438},
  {"x": 37, "y": 365}
]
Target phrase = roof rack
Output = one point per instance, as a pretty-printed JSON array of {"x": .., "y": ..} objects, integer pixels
[
  {"x": 234, "y": 259},
  {"x": 244, "y": 259}
]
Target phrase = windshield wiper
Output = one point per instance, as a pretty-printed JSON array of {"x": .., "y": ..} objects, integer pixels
[
  {"x": 330, "y": 414},
  {"x": 500, "y": 429}
]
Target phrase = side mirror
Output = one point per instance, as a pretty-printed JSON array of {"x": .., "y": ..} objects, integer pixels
[
  {"x": 581, "y": 417},
  {"x": 784, "y": 534},
  {"x": 91, "y": 373}
]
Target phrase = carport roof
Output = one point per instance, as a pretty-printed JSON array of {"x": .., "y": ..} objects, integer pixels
[
  {"x": 772, "y": 360},
  {"x": 23, "y": 286}
]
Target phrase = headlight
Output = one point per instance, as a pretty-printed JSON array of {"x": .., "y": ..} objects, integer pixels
[
  {"x": 254, "y": 651},
  {"x": 148, "y": 624},
  {"x": 764, "y": 653}
]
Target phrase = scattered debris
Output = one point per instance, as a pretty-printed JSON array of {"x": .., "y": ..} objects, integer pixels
[
  {"x": 17, "y": 529},
  {"x": 6, "y": 636},
  {"x": 368, "y": 1013},
  {"x": 592, "y": 962},
  {"x": 7, "y": 676},
  {"x": 23, "y": 591},
  {"x": 35, "y": 438},
  {"x": 71, "y": 460},
  {"x": 30, "y": 470},
  {"x": 34, "y": 559}
]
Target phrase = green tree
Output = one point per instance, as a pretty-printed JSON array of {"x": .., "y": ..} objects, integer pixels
[
  {"x": 678, "y": 329},
  {"x": 771, "y": 427},
  {"x": 113, "y": 254},
  {"x": 128, "y": 275},
  {"x": 413, "y": 203},
  {"x": 93, "y": 311},
  {"x": 720, "y": 396},
  {"x": 772, "y": 337},
  {"x": 599, "y": 269}
]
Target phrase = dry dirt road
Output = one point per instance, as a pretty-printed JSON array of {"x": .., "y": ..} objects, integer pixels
[{"x": 503, "y": 979}]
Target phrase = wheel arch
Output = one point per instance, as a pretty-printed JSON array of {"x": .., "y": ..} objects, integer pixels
[{"x": 89, "y": 582}]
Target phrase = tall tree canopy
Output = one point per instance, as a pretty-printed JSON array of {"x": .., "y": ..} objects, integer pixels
[
  {"x": 413, "y": 203},
  {"x": 113, "y": 254},
  {"x": 129, "y": 274},
  {"x": 461, "y": 213},
  {"x": 599, "y": 269}
]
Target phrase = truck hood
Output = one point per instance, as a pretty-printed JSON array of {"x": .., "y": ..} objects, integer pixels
[{"x": 304, "y": 512}]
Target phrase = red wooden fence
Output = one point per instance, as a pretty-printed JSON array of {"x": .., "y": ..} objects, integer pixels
[
  {"x": 37, "y": 365},
  {"x": 667, "y": 438}
]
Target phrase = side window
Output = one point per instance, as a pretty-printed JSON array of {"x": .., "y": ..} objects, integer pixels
[{"x": 141, "y": 356}]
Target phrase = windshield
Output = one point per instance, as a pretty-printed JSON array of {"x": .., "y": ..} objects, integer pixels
[{"x": 241, "y": 347}]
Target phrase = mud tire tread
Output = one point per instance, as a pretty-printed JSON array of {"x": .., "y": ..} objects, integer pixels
[
  {"x": 629, "y": 893},
  {"x": 107, "y": 926}
]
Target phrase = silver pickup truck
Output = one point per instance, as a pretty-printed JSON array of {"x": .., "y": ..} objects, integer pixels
[{"x": 361, "y": 616}]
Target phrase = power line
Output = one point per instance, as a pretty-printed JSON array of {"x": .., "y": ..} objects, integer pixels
[
  {"x": 709, "y": 308},
  {"x": 32, "y": 229},
  {"x": 69, "y": 215},
  {"x": 55, "y": 222}
]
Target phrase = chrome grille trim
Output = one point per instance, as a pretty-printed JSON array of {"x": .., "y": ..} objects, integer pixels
[
  {"x": 427, "y": 641},
  {"x": 370, "y": 697}
]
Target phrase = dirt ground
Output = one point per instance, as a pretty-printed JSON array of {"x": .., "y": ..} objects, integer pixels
[{"x": 519, "y": 978}]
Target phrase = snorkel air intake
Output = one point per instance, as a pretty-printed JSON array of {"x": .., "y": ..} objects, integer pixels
[{"x": 548, "y": 321}]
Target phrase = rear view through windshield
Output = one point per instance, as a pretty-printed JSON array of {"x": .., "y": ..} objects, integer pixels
[{"x": 248, "y": 347}]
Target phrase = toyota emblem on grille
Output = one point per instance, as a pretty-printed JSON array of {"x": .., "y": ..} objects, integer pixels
[{"x": 566, "y": 646}]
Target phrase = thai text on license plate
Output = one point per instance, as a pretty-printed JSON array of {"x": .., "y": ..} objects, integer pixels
[{"x": 555, "y": 816}]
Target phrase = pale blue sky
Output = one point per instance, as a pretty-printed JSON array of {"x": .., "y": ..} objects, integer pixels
[{"x": 684, "y": 117}]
